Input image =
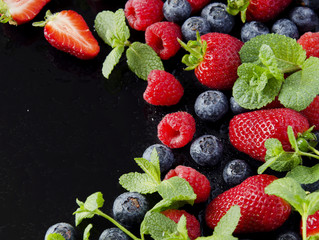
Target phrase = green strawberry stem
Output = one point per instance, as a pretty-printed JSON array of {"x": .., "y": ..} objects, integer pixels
[
  {"x": 238, "y": 6},
  {"x": 48, "y": 17},
  {"x": 314, "y": 150},
  {"x": 5, "y": 15}
]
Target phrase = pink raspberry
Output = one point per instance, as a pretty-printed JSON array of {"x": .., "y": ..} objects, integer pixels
[
  {"x": 176, "y": 129},
  {"x": 142, "y": 13},
  {"x": 198, "y": 181},
  {"x": 162, "y": 37},
  {"x": 192, "y": 224},
  {"x": 163, "y": 89},
  {"x": 310, "y": 43}
]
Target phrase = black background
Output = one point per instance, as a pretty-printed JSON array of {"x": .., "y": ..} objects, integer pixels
[{"x": 66, "y": 132}]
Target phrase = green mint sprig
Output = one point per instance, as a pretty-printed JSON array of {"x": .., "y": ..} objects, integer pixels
[
  {"x": 55, "y": 236},
  {"x": 301, "y": 201},
  {"x": 265, "y": 61},
  {"x": 112, "y": 29},
  {"x": 238, "y": 6}
]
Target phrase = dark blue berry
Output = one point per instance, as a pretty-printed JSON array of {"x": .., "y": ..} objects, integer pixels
[
  {"x": 129, "y": 209},
  {"x": 219, "y": 19},
  {"x": 65, "y": 229},
  {"x": 236, "y": 171},
  {"x": 305, "y": 18},
  {"x": 289, "y": 236},
  {"x": 285, "y": 27},
  {"x": 194, "y": 24},
  {"x": 177, "y": 10},
  {"x": 113, "y": 234},
  {"x": 207, "y": 150},
  {"x": 253, "y": 29},
  {"x": 312, "y": 187},
  {"x": 165, "y": 156},
  {"x": 235, "y": 107},
  {"x": 211, "y": 105},
  {"x": 314, "y": 4}
]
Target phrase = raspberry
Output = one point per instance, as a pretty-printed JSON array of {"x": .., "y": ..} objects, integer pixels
[
  {"x": 310, "y": 43},
  {"x": 198, "y": 181},
  {"x": 312, "y": 113},
  {"x": 142, "y": 13},
  {"x": 176, "y": 129},
  {"x": 192, "y": 224},
  {"x": 163, "y": 89},
  {"x": 197, "y": 5},
  {"x": 162, "y": 37}
]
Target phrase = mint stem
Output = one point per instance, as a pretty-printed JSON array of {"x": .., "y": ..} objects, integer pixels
[
  {"x": 304, "y": 227},
  {"x": 314, "y": 150},
  {"x": 102, "y": 214},
  {"x": 308, "y": 154}
]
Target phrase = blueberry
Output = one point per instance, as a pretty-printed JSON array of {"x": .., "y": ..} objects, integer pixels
[
  {"x": 236, "y": 171},
  {"x": 289, "y": 236},
  {"x": 129, "y": 209},
  {"x": 65, "y": 229},
  {"x": 313, "y": 4},
  {"x": 194, "y": 24},
  {"x": 207, "y": 150},
  {"x": 235, "y": 107},
  {"x": 211, "y": 105},
  {"x": 113, "y": 234},
  {"x": 285, "y": 27},
  {"x": 312, "y": 187},
  {"x": 253, "y": 29},
  {"x": 177, "y": 10},
  {"x": 165, "y": 156},
  {"x": 305, "y": 18},
  {"x": 219, "y": 19}
]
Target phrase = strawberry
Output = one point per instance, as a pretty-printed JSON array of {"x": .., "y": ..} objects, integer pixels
[
  {"x": 249, "y": 131},
  {"x": 310, "y": 42},
  {"x": 312, "y": 113},
  {"x": 260, "y": 212},
  {"x": 68, "y": 31},
  {"x": 17, "y": 12},
  {"x": 215, "y": 58},
  {"x": 312, "y": 225}
]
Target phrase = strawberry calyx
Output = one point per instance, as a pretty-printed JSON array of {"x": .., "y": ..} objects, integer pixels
[
  {"x": 238, "y": 6},
  {"x": 5, "y": 15},
  {"x": 49, "y": 16},
  {"x": 197, "y": 49}
]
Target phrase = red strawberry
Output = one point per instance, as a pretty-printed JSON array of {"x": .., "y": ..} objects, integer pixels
[
  {"x": 17, "y": 12},
  {"x": 312, "y": 225},
  {"x": 312, "y": 113},
  {"x": 192, "y": 224},
  {"x": 260, "y": 212},
  {"x": 198, "y": 5},
  {"x": 217, "y": 67},
  {"x": 68, "y": 31},
  {"x": 249, "y": 131},
  {"x": 310, "y": 43}
]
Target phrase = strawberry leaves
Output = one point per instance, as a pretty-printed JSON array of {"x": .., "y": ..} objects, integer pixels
[{"x": 238, "y": 6}]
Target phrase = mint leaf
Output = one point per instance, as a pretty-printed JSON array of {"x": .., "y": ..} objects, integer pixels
[
  {"x": 305, "y": 175},
  {"x": 138, "y": 182},
  {"x": 300, "y": 88},
  {"x": 55, "y": 236},
  {"x": 255, "y": 87},
  {"x": 313, "y": 201},
  {"x": 81, "y": 214},
  {"x": 152, "y": 168},
  {"x": 112, "y": 28},
  {"x": 111, "y": 60},
  {"x": 94, "y": 201},
  {"x": 142, "y": 59},
  {"x": 291, "y": 137},
  {"x": 181, "y": 228},
  {"x": 86, "y": 233}
]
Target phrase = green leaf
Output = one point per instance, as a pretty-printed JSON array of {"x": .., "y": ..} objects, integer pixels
[
  {"x": 94, "y": 201},
  {"x": 181, "y": 228},
  {"x": 81, "y": 214},
  {"x": 142, "y": 59},
  {"x": 86, "y": 233},
  {"x": 111, "y": 60},
  {"x": 255, "y": 87},
  {"x": 112, "y": 28},
  {"x": 55, "y": 236},
  {"x": 236, "y": 6},
  {"x": 228, "y": 223},
  {"x": 313, "y": 203},
  {"x": 152, "y": 169},
  {"x": 138, "y": 182},
  {"x": 300, "y": 88},
  {"x": 289, "y": 190},
  {"x": 292, "y": 138},
  {"x": 305, "y": 175}
]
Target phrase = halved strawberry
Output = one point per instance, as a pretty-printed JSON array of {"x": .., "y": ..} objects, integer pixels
[
  {"x": 68, "y": 31},
  {"x": 17, "y": 12}
]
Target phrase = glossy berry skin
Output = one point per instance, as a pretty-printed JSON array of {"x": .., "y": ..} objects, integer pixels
[
  {"x": 236, "y": 171},
  {"x": 194, "y": 24},
  {"x": 253, "y": 29},
  {"x": 313, "y": 4},
  {"x": 304, "y": 18},
  {"x": 65, "y": 229},
  {"x": 163, "y": 89},
  {"x": 198, "y": 181},
  {"x": 289, "y": 236},
  {"x": 219, "y": 19},
  {"x": 207, "y": 150},
  {"x": 177, "y": 129},
  {"x": 235, "y": 107},
  {"x": 218, "y": 70},
  {"x": 249, "y": 131},
  {"x": 312, "y": 113},
  {"x": 192, "y": 224},
  {"x": 165, "y": 156},
  {"x": 310, "y": 42},
  {"x": 198, "y": 5},
  {"x": 129, "y": 209},
  {"x": 176, "y": 10},
  {"x": 259, "y": 212},
  {"x": 285, "y": 27},
  {"x": 313, "y": 225},
  {"x": 142, "y": 13},
  {"x": 162, "y": 37},
  {"x": 211, "y": 105},
  {"x": 113, "y": 234}
]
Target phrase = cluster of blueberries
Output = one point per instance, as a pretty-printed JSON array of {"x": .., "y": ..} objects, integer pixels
[{"x": 215, "y": 18}]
